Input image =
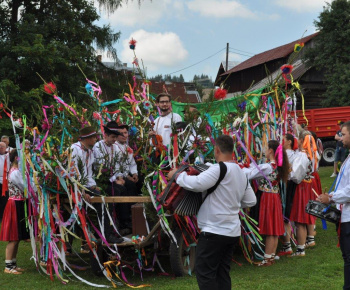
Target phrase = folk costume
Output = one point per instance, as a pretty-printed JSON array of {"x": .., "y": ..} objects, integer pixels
[
  {"x": 13, "y": 227},
  {"x": 270, "y": 216},
  {"x": 84, "y": 158},
  {"x": 253, "y": 173},
  {"x": 127, "y": 163},
  {"x": 127, "y": 166},
  {"x": 218, "y": 221},
  {"x": 299, "y": 165},
  {"x": 302, "y": 196},
  {"x": 4, "y": 195},
  {"x": 106, "y": 156}
]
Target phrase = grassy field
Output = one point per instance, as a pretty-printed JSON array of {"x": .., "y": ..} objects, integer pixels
[{"x": 321, "y": 268}]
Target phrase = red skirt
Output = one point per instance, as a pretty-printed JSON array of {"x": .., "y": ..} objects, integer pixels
[
  {"x": 13, "y": 226},
  {"x": 316, "y": 185},
  {"x": 270, "y": 215},
  {"x": 303, "y": 194}
]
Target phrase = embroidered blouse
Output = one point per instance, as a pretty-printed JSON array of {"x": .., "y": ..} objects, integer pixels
[
  {"x": 16, "y": 186},
  {"x": 264, "y": 185}
]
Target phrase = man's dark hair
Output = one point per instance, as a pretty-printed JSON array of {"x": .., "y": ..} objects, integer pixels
[
  {"x": 163, "y": 95},
  {"x": 225, "y": 143},
  {"x": 347, "y": 125}
]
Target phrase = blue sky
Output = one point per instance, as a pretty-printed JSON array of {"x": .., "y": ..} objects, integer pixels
[{"x": 174, "y": 34}]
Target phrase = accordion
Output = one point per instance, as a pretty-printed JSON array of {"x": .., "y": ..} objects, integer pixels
[{"x": 178, "y": 200}]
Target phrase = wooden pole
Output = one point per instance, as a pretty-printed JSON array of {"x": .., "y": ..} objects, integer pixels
[{"x": 227, "y": 48}]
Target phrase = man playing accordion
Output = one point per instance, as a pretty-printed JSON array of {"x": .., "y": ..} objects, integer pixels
[{"x": 218, "y": 217}]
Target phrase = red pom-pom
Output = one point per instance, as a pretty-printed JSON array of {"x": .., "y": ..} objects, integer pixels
[
  {"x": 220, "y": 94},
  {"x": 132, "y": 43},
  {"x": 286, "y": 69},
  {"x": 50, "y": 88}
]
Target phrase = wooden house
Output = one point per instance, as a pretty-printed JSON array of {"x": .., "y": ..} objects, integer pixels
[{"x": 258, "y": 70}]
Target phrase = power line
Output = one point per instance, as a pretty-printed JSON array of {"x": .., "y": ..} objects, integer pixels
[
  {"x": 198, "y": 61},
  {"x": 241, "y": 53}
]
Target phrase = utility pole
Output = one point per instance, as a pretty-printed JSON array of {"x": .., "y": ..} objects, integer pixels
[{"x": 227, "y": 47}]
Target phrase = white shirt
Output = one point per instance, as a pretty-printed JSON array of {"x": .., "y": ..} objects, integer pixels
[
  {"x": 87, "y": 159},
  {"x": 342, "y": 193},
  {"x": 15, "y": 177},
  {"x": 8, "y": 149},
  {"x": 107, "y": 155},
  {"x": 299, "y": 163},
  {"x": 2, "y": 163},
  {"x": 126, "y": 158},
  {"x": 219, "y": 212},
  {"x": 162, "y": 126},
  {"x": 253, "y": 172}
]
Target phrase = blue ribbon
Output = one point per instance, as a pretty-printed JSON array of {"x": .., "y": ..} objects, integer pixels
[{"x": 110, "y": 102}]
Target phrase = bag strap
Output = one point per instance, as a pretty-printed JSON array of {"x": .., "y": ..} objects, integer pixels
[{"x": 223, "y": 170}]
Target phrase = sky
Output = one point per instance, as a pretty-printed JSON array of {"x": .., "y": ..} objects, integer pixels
[{"x": 189, "y": 37}]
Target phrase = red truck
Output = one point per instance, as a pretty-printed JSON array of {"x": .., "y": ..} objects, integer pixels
[{"x": 325, "y": 123}]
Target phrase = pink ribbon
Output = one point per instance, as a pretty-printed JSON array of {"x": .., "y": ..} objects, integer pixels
[{"x": 279, "y": 155}]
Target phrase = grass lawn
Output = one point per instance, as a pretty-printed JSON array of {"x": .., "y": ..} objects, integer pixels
[{"x": 321, "y": 268}]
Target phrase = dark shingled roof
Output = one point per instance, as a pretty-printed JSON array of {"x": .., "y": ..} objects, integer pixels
[
  {"x": 175, "y": 89},
  {"x": 272, "y": 54}
]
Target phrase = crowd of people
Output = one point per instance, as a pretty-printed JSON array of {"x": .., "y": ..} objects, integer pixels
[{"x": 288, "y": 168}]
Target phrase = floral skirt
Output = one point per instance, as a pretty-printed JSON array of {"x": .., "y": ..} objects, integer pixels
[
  {"x": 270, "y": 215},
  {"x": 13, "y": 226},
  {"x": 303, "y": 194}
]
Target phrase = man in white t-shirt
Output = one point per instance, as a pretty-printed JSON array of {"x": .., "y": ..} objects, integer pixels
[
  {"x": 218, "y": 217},
  {"x": 163, "y": 124}
]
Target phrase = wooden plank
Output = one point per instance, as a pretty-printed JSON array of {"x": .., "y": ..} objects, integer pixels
[{"x": 121, "y": 199}]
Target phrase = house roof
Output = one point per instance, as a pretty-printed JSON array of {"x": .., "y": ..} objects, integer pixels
[
  {"x": 176, "y": 89},
  {"x": 272, "y": 54}
]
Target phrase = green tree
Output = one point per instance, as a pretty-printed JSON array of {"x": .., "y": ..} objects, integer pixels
[
  {"x": 157, "y": 78},
  {"x": 51, "y": 38},
  {"x": 331, "y": 53}
]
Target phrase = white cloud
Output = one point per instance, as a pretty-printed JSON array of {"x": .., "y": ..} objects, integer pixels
[
  {"x": 226, "y": 9},
  {"x": 132, "y": 14},
  {"x": 303, "y": 5},
  {"x": 179, "y": 6},
  {"x": 157, "y": 50},
  {"x": 220, "y": 8}
]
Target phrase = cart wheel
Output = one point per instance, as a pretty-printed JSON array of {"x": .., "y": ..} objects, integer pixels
[
  {"x": 102, "y": 256},
  {"x": 182, "y": 257}
]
